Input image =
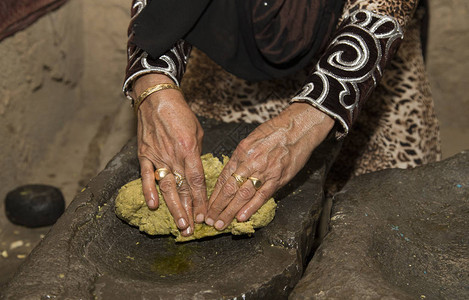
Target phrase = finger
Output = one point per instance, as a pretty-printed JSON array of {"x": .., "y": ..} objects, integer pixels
[
  {"x": 224, "y": 176},
  {"x": 184, "y": 196},
  {"x": 242, "y": 197},
  {"x": 261, "y": 196},
  {"x": 225, "y": 196},
  {"x": 186, "y": 201},
  {"x": 196, "y": 181},
  {"x": 148, "y": 183},
  {"x": 171, "y": 197}
]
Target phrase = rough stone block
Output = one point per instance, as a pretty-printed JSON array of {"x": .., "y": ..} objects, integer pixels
[{"x": 396, "y": 234}]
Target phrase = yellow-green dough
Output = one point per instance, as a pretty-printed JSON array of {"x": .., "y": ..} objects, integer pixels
[{"x": 131, "y": 207}]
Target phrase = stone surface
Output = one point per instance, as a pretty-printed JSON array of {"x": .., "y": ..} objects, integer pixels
[
  {"x": 396, "y": 234},
  {"x": 34, "y": 205},
  {"x": 90, "y": 253}
]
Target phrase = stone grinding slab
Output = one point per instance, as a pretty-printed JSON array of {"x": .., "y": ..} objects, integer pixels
[
  {"x": 90, "y": 253},
  {"x": 396, "y": 234}
]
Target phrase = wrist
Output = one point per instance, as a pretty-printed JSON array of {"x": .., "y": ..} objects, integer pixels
[
  {"x": 308, "y": 114},
  {"x": 148, "y": 80}
]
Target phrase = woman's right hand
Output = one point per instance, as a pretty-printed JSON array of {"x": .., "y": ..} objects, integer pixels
[{"x": 170, "y": 136}]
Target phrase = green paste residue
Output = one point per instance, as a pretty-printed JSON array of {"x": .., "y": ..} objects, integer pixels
[
  {"x": 131, "y": 207},
  {"x": 177, "y": 260}
]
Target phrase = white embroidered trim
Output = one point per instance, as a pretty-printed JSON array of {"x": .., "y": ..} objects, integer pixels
[
  {"x": 361, "y": 49},
  {"x": 171, "y": 70}
]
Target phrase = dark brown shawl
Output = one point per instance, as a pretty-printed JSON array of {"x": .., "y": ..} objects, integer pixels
[{"x": 255, "y": 40}]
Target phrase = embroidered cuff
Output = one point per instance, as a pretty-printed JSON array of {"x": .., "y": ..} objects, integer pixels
[
  {"x": 349, "y": 70},
  {"x": 172, "y": 63}
]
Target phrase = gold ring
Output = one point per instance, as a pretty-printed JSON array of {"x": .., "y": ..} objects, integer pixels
[
  {"x": 161, "y": 173},
  {"x": 179, "y": 179},
  {"x": 239, "y": 179},
  {"x": 255, "y": 182}
]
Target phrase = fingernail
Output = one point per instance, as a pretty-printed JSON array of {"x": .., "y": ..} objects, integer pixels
[
  {"x": 209, "y": 221},
  {"x": 200, "y": 218},
  {"x": 219, "y": 224},
  {"x": 182, "y": 223},
  {"x": 151, "y": 203},
  {"x": 242, "y": 218},
  {"x": 188, "y": 230}
]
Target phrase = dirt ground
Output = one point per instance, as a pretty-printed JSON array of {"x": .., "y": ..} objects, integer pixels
[
  {"x": 448, "y": 70},
  {"x": 101, "y": 128}
]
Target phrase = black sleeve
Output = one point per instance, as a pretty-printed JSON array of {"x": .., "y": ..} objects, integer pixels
[{"x": 156, "y": 30}]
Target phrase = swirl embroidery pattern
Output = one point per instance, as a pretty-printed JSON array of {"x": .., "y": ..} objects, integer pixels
[
  {"x": 172, "y": 63},
  {"x": 352, "y": 65}
]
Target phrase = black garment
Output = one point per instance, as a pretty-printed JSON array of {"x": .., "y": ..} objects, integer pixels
[{"x": 254, "y": 40}]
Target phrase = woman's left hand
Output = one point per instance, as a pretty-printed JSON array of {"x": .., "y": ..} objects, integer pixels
[{"x": 273, "y": 153}]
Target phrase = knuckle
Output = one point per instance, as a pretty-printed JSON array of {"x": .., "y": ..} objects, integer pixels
[
  {"x": 282, "y": 179},
  {"x": 263, "y": 194},
  {"x": 244, "y": 148},
  {"x": 184, "y": 190},
  {"x": 257, "y": 166},
  {"x": 166, "y": 186},
  {"x": 245, "y": 193},
  {"x": 144, "y": 151},
  {"x": 146, "y": 173},
  {"x": 282, "y": 182},
  {"x": 243, "y": 144},
  {"x": 223, "y": 178},
  {"x": 229, "y": 190},
  {"x": 196, "y": 180},
  {"x": 187, "y": 144},
  {"x": 275, "y": 177}
]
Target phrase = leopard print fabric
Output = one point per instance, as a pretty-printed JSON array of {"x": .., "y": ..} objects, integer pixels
[
  {"x": 397, "y": 127},
  {"x": 401, "y": 10},
  {"x": 214, "y": 93}
]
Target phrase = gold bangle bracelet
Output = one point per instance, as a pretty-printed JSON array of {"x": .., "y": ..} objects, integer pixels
[{"x": 151, "y": 90}]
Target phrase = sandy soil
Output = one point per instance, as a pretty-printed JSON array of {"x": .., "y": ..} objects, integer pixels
[{"x": 448, "y": 70}]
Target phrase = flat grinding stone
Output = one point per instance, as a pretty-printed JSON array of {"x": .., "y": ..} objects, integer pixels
[
  {"x": 396, "y": 234},
  {"x": 90, "y": 253}
]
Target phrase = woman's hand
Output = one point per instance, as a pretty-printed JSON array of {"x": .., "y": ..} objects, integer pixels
[
  {"x": 170, "y": 136},
  {"x": 273, "y": 153}
]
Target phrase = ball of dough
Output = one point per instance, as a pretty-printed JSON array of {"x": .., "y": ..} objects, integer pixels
[{"x": 131, "y": 207}]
